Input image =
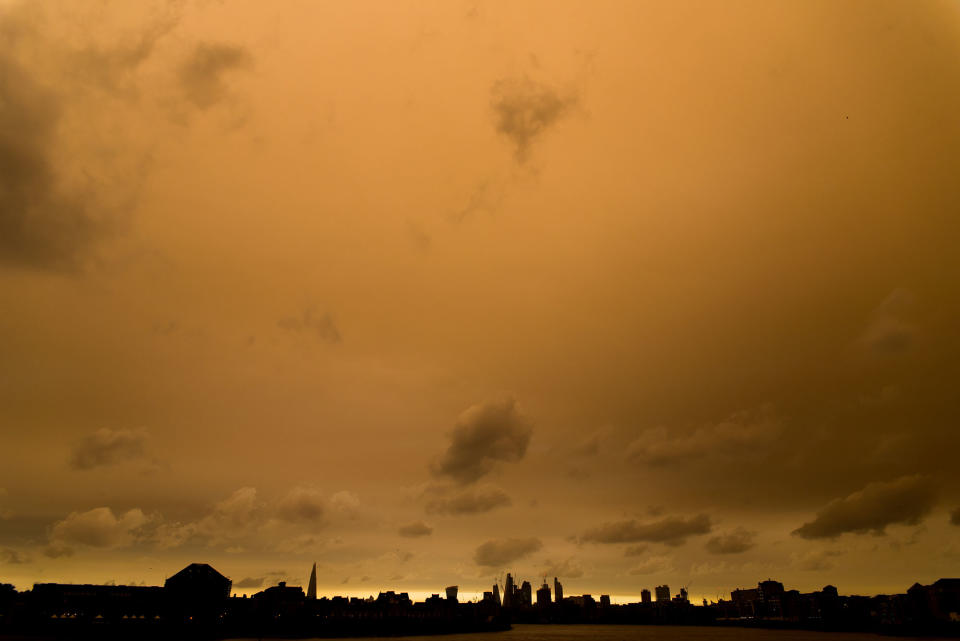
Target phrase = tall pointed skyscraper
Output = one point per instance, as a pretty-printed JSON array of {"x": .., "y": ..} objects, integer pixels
[{"x": 312, "y": 588}]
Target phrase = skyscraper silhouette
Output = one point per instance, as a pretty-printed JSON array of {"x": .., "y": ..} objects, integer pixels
[
  {"x": 312, "y": 588},
  {"x": 508, "y": 591}
]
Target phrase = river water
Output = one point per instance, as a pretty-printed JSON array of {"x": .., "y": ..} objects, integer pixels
[{"x": 522, "y": 632}]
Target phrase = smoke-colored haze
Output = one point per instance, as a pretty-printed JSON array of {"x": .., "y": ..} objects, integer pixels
[{"x": 629, "y": 293}]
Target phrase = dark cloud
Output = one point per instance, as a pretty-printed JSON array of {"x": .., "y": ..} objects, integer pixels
[
  {"x": 524, "y": 109},
  {"x": 109, "y": 68},
  {"x": 484, "y": 434},
  {"x": 302, "y": 504},
  {"x": 13, "y": 557},
  {"x": 108, "y": 447},
  {"x": 904, "y": 500},
  {"x": 415, "y": 529},
  {"x": 735, "y": 542},
  {"x": 4, "y": 512},
  {"x": 652, "y": 565},
  {"x": 100, "y": 528},
  {"x": 955, "y": 517},
  {"x": 51, "y": 219},
  {"x": 589, "y": 447},
  {"x": 568, "y": 568},
  {"x": 816, "y": 560},
  {"x": 249, "y": 582},
  {"x": 42, "y": 225},
  {"x": 470, "y": 501},
  {"x": 741, "y": 431},
  {"x": 57, "y": 551},
  {"x": 672, "y": 530},
  {"x": 889, "y": 331},
  {"x": 635, "y": 550},
  {"x": 487, "y": 196},
  {"x": 231, "y": 519},
  {"x": 500, "y": 552},
  {"x": 323, "y": 326},
  {"x": 202, "y": 74}
]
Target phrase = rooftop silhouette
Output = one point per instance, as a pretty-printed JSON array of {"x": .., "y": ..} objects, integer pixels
[{"x": 197, "y": 600}]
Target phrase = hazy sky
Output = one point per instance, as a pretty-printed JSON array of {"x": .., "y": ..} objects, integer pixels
[{"x": 629, "y": 293}]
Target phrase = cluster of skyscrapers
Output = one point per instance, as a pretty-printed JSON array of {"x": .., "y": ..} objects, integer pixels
[{"x": 522, "y": 596}]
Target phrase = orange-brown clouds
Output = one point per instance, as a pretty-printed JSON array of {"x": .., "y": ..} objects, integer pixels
[
  {"x": 439, "y": 292},
  {"x": 878, "y": 505},
  {"x": 202, "y": 74}
]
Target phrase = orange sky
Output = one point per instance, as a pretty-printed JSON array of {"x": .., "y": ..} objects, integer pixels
[{"x": 627, "y": 292}]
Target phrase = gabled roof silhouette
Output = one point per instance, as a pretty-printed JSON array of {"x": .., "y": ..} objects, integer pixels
[
  {"x": 198, "y": 572},
  {"x": 199, "y": 580}
]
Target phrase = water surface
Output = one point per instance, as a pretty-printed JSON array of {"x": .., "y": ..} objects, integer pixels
[{"x": 524, "y": 632}]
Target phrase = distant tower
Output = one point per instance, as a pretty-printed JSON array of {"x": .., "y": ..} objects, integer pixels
[
  {"x": 526, "y": 594},
  {"x": 452, "y": 593},
  {"x": 557, "y": 590},
  {"x": 645, "y": 595},
  {"x": 662, "y": 592},
  {"x": 543, "y": 595},
  {"x": 508, "y": 591},
  {"x": 312, "y": 588},
  {"x": 496, "y": 593}
]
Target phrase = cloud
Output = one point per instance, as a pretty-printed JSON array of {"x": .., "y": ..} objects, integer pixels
[
  {"x": 500, "y": 552},
  {"x": 904, "y": 500},
  {"x": 301, "y": 544},
  {"x": 652, "y": 565},
  {"x": 484, "y": 434},
  {"x": 244, "y": 521},
  {"x": 57, "y": 550},
  {"x": 323, "y": 326},
  {"x": 888, "y": 331},
  {"x": 249, "y": 582},
  {"x": 42, "y": 224},
  {"x": 955, "y": 517},
  {"x": 13, "y": 557},
  {"x": 815, "y": 560},
  {"x": 345, "y": 504},
  {"x": 63, "y": 192},
  {"x": 107, "y": 447},
  {"x": 568, "y": 568},
  {"x": 301, "y": 504},
  {"x": 202, "y": 75},
  {"x": 735, "y": 542},
  {"x": 524, "y": 109},
  {"x": 419, "y": 236},
  {"x": 635, "y": 550},
  {"x": 589, "y": 447},
  {"x": 739, "y": 432},
  {"x": 671, "y": 530},
  {"x": 110, "y": 67},
  {"x": 415, "y": 529},
  {"x": 487, "y": 196},
  {"x": 470, "y": 501},
  {"x": 228, "y": 520},
  {"x": 100, "y": 528}
]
